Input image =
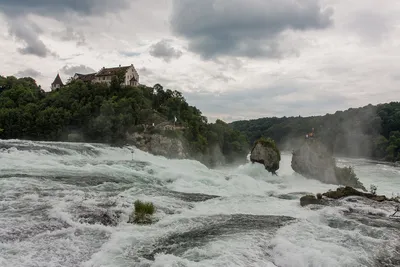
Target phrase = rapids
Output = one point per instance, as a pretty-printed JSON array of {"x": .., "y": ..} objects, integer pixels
[{"x": 67, "y": 204}]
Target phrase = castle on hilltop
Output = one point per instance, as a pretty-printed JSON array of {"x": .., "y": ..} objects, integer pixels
[{"x": 104, "y": 75}]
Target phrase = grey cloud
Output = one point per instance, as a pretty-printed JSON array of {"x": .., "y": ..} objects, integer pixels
[
  {"x": 244, "y": 28},
  {"x": 28, "y": 73},
  {"x": 129, "y": 53},
  {"x": 145, "y": 71},
  {"x": 28, "y": 33},
  {"x": 53, "y": 8},
  {"x": 71, "y": 70},
  {"x": 223, "y": 77},
  {"x": 371, "y": 25},
  {"x": 69, "y": 34},
  {"x": 16, "y": 12},
  {"x": 164, "y": 50}
]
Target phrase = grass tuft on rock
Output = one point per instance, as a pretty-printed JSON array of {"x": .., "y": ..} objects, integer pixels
[
  {"x": 144, "y": 207},
  {"x": 268, "y": 142},
  {"x": 143, "y": 213}
]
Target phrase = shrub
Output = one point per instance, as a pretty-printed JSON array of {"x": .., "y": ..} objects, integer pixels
[
  {"x": 144, "y": 207},
  {"x": 142, "y": 213}
]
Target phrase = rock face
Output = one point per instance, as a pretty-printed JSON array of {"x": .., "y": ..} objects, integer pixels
[
  {"x": 265, "y": 152},
  {"x": 342, "y": 192},
  {"x": 349, "y": 191},
  {"x": 311, "y": 199},
  {"x": 159, "y": 145},
  {"x": 313, "y": 160}
]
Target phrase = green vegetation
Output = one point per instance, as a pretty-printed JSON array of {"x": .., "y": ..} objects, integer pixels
[
  {"x": 142, "y": 213},
  {"x": 370, "y": 131},
  {"x": 144, "y": 207},
  {"x": 268, "y": 142},
  {"x": 96, "y": 112}
]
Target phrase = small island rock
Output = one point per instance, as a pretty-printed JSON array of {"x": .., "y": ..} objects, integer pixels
[
  {"x": 314, "y": 161},
  {"x": 265, "y": 152}
]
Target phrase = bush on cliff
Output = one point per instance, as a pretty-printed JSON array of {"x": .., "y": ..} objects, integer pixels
[{"x": 268, "y": 142}]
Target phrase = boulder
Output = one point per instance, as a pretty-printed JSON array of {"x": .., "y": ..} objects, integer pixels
[
  {"x": 311, "y": 199},
  {"x": 314, "y": 161},
  {"x": 265, "y": 152}
]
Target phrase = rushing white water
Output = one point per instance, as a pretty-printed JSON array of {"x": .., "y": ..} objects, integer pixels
[{"x": 67, "y": 204}]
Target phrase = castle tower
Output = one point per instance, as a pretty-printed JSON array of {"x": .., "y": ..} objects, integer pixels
[{"x": 57, "y": 83}]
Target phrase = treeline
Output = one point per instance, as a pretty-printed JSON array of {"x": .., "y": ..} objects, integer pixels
[
  {"x": 102, "y": 113},
  {"x": 370, "y": 131}
]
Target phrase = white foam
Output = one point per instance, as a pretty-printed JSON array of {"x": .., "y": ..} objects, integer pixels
[{"x": 246, "y": 189}]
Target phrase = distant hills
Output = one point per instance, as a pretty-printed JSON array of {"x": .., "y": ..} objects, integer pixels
[{"x": 372, "y": 131}]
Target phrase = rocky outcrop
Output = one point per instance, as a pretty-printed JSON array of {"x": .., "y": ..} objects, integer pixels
[
  {"x": 342, "y": 192},
  {"x": 265, "y": 152},
  {"x": 349, "y": 191},
  {"x": 313, "y": 160},
  {"x": 160, "y": 145},
  {"x": 331, "y": 198},
  {"x": 311, "y": 199}
]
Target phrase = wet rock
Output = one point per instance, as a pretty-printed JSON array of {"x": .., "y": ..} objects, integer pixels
[
  {"x": 311, "y": 199},
  {"x": 104, "y": 218},
  {"x": 347, "y": 191},
  {"x": 314, "y": 161},
  {"x": 140, "y": 218},
  {"x": 265, "y": 152}
]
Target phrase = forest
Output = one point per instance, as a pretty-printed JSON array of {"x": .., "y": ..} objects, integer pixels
[
  {"x": 105, "y": 113},
  {"x": 372, "y": 131}
]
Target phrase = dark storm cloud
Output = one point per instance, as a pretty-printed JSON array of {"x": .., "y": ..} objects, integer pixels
[
  {"x": 28, "y": 73},
  {"x": 53, "y": 8},
  {"x": 82, "y": 69},
  {"x": 244, "y": 28},
  {"x": 164, "y": 50},
  {"x": 27, "y": 31}
]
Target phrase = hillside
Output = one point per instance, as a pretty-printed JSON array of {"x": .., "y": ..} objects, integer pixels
[
  {"x": 101, "y": 113},
  {"x": 370, "y": 131}
]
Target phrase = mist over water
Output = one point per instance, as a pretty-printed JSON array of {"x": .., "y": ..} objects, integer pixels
[{"x": 67, "y": 204}]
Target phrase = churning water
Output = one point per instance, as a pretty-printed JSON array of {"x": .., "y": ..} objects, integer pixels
[{"x": 67, "y": 204}]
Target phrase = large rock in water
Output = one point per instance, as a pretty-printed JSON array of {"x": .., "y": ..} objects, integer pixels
[
  {"x": 313, "y": 160},
  {"x": 265, "y": 152},
  {"x": 159, "y": 145}
]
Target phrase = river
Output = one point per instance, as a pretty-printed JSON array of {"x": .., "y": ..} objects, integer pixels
[{"x": 67, "y": 204}]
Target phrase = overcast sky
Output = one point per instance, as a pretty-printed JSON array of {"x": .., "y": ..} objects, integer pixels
[{"x": 233, "y": 59}]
